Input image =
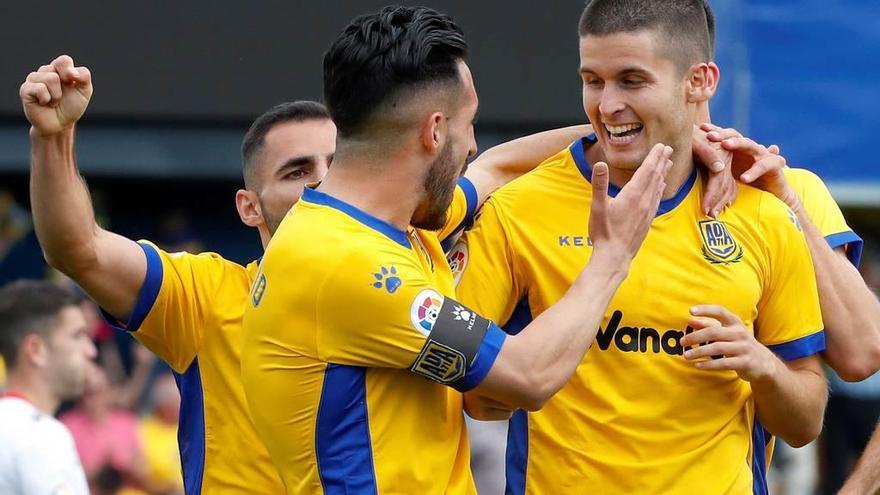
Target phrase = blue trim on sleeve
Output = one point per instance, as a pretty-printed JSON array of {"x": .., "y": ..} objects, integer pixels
[
  {"x": 147, "y": 295},
  {"x": 191, "y": 428},
  {"x": 578, "y": 149},
  {"x": 470, "y": 194},
  {"x": 760, "y": 439},
  {"x": 800, "y": 348},
  {"x": 395, "y": 234},
  {"x": 486, "y": 355},
  {"x": 851, "y": 241},
  {"x": 517, "y": 455},
  {"x": 342, "y": 436},
  {"x": 471, "y": 200}
]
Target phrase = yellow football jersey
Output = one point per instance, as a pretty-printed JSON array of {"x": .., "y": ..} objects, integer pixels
[
  {"x": 823, "y": 211},
  {"x": 637, "y": 417},
  {"x": 347, "y": 312},
  {"x": 189, "y": 313}
]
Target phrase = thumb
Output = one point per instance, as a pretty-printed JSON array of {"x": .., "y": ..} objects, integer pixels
[{"x": 599, "y": 180}]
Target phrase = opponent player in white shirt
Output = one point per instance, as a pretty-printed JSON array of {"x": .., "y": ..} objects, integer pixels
[{"x": 47, "y": 350}]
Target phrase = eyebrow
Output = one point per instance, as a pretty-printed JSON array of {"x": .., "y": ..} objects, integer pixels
[
  {"x": 297, "y": 161},
  {"x": 622, "y": 72}
]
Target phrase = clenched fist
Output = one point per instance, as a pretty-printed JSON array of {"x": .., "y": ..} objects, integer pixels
[{"x": 56, "y": 95}]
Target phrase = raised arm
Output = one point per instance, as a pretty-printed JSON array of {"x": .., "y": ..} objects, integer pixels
[{"x": 109, "y": 267}]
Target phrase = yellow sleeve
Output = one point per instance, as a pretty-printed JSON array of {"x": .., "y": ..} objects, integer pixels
[
  {"x": 460, "y": 214},
  {"x": 789, "y": 317},
  {"x": 376, "y": 309},
  {"x": 482, "y": 264},
  {"x": 174, "y": 304},
  {"x": 824, "y": 212}
]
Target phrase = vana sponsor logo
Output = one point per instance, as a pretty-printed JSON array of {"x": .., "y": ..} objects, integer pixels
[{"x": 641, "y": 339}]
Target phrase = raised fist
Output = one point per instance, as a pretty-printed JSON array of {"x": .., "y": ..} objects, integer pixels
[{"x": 56, "y": 95}]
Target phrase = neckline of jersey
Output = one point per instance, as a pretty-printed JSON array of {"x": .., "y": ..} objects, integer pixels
[
  {"x": 397, "y": 235},
  {"x": 578, "y": 152}
]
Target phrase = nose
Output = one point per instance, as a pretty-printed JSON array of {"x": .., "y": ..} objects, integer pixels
[
  {"x": 472, "y": 145},
  {"x": 610, "y": 102}
]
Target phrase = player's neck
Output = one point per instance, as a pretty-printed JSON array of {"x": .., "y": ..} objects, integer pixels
[
  {"x": 682, "y": 166},
  {"x": 34, "y": 391},
  {"x": 385, "y": 189}
]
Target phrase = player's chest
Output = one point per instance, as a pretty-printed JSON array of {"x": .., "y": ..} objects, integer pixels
[{"x": 684, "y": 260}]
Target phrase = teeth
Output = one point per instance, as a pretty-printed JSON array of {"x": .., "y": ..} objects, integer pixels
[{"x": 620, "y": 129}]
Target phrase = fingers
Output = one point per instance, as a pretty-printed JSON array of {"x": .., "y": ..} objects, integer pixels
[
  {"x": 654, "y": 168},
  {"x": 720, "y": 313},
  {"x": 774, "y": 149},
  {"x": 63, "y": 65},
  {"x": 744, "y": 145},
  {"x": 708, "y": 153},
  {"x": 715, "y": 350},
  {"x": 35, "y": 92},
  {"x": 762, "y": 167},
  {"x": 723, "y": 364},
  {"x": 720, "y": 192}
]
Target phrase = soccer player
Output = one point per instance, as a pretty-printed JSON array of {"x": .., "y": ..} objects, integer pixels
[
  {"x": 47, "y": 349},
  {"x": 354, "y": 305},
  {"x": 710, "y": 341},
  {"x": 188, "y": 308}
]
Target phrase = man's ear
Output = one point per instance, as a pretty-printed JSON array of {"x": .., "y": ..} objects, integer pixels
[
  {"x": 33, "y": 350},
  {"x": 433, "y": 134},
  {"x": 248, "y": 207},
  {"x": 702, "y": 82}
]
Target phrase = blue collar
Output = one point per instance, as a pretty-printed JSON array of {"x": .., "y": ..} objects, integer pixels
[
  {"x": 578, "y": 152},
  {"x": 399, "y": 236}
]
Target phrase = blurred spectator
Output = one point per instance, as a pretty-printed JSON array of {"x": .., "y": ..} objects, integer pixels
[
  {"x": 159, "y": 439},
  {"x": 43, "y": 339},
  {"x": 105, "y": 435},
  {"x": 15, "y": 222}
]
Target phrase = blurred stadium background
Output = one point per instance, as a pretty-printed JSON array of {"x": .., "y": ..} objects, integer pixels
[{"x": 177, "y": 83}]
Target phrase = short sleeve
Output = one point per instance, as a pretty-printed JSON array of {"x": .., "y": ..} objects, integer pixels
[
  {"x": 175, "y": 303},
  {"x": 789, "y": 317},
  {"x": 824, "y": 212},
  {"x": 460, "y": 214},
  {"x": 482, "y": 265},
  {"x": 399, "y": 320}
]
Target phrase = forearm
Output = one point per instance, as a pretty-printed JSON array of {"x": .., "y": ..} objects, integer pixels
[
  {"x": 109, "y": 267},
  {"x": 850, "y": 311},
  {"x": 62, "y": 209},
  {"x": 502, "y": 163},
  {"x": 548, "y": 350},
  {"x": 865, "y": 478},
  {"x": 790, "y": 402}
]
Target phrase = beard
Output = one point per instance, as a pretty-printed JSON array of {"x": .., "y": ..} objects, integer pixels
[
  {"x": 439, "y": 187},
  {"x": 272, "y": 221}
]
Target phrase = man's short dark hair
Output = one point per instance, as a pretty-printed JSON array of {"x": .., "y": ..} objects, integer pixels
[
  {"x": 683, "y": 24},
  {"x": 380, "y": 54},
  {"x": 27, "y": 307},
  {"x": 252, "y": 144}
]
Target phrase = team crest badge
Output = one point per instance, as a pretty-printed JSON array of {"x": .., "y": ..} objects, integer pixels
[
  {"x": 458, "y": 258},
  {"x": 719, "y": 247},
  {"x": 425, "y": 310}
]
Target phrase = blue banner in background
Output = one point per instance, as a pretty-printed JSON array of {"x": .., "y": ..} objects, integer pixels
[{"x": 805, "y": 75}]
